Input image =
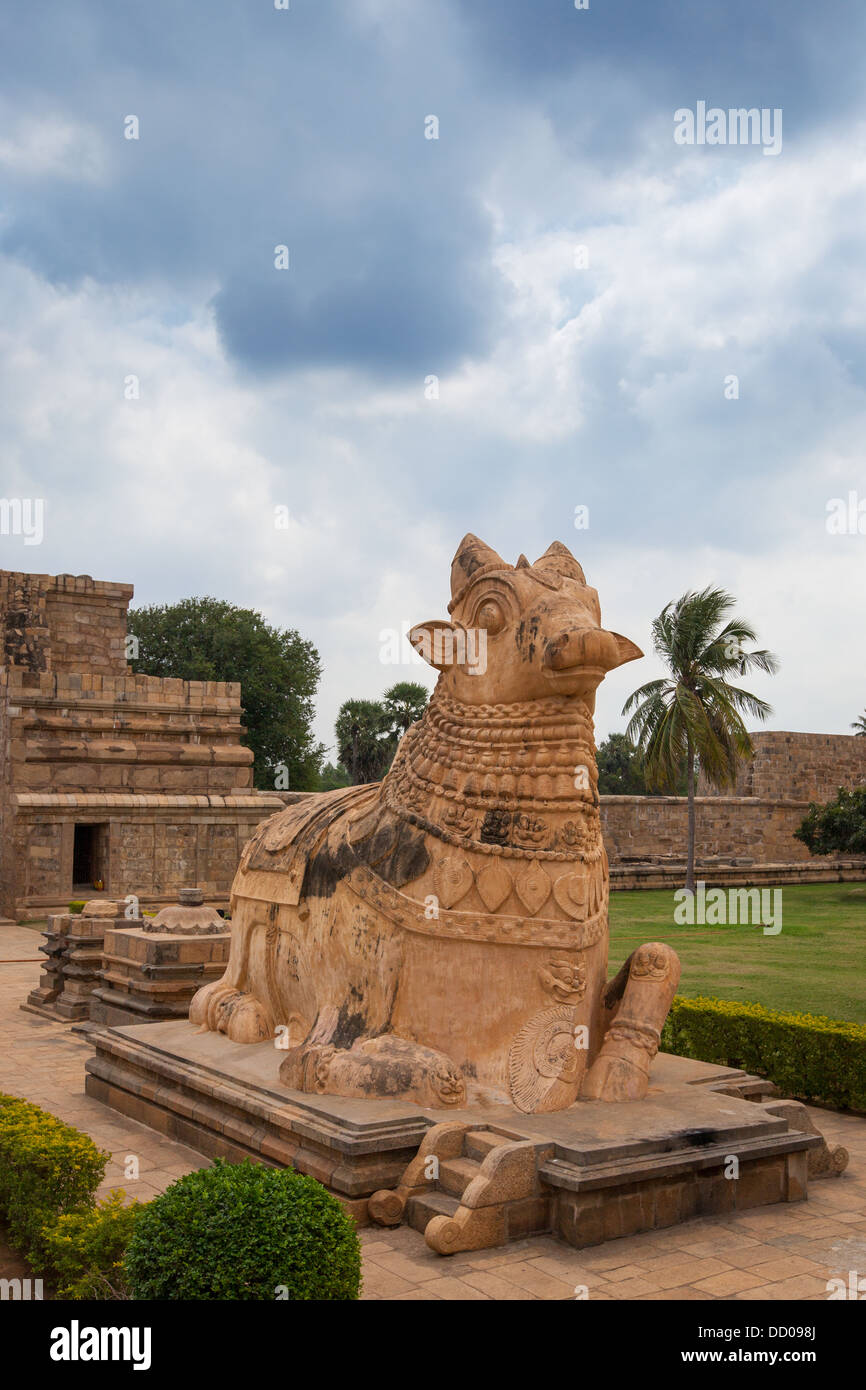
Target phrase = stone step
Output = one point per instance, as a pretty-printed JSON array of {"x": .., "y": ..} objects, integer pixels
[
  {"x": 477, "y": 1143},
  {"x": 421, "y": 1210},
  {"x": 455, "y": 1174}
]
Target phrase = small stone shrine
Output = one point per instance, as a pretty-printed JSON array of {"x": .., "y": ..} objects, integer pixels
[{"x": 151, "y": 969}]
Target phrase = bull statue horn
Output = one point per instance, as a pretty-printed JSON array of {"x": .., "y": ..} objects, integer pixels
[
  {"x": 473, "y": 557},
  {"x": 558, "y": 559}
]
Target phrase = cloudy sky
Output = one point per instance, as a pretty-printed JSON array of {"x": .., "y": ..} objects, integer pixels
[{"x": 581, "y": 286}]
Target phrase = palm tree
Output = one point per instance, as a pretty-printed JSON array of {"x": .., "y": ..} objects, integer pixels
[
  {"x": 695, "y": 713},
  {"x": 860, "y": 724},
  {"x": 404, "y": 704},
  {"x": 364, "y": 745}
]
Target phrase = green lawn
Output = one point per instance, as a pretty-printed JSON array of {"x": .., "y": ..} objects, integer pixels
[{"x": 816, "y": 964}]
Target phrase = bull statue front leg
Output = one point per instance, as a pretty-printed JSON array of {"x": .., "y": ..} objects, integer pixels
[
  {"x": 636, "y": 1004},
  {"x": 229, "y": 1005}
]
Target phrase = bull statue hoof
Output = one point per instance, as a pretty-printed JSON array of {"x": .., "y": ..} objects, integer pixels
[
  {"x": 636, "y": 1005},
  {"x": 441, "y": 937},
  {"x": 241, "y": 1016},
  {"x": 382, "y": 1066}
]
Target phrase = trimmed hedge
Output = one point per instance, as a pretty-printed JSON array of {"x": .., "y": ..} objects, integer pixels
[
  {"x": 807, "y": 1057},
  {"x": 46, "y": 1168},
  {"x": 85, "y": 1249},
  {"x": 243, "y": 1231}
]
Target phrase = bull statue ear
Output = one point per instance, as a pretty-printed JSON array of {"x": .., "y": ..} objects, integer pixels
[
  {"x": 628, "y": 651},
  {"x": 558, "y": 559},
  {"x": 473, "y": 557},
  {"x": 439, "y": 643}
]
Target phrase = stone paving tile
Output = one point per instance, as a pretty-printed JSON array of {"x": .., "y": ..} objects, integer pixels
[
  {"x": 495, "y": 1287},
  {"x": 687, "y": 1294},
  {"x": 785, "y": 1268},
  {"x": 633, "y": 1288},
  {"x": 380, "y": 1282},
  {"x": 374, "y": 1247},
  {"x": 416, "y": 1271},
  {"x": 730, "y": 1281},
  {"x": 801, "y": 1287},
  {"x": 571, "y": 1273},
  {"x": 535, "y": 1281},
  {"x": 489, "y": 1259},
  {"x": 418, "y": 1294},
  {"x": 617, "y": 1276},
  {"x": 454, "y": 1289},
  {"x": 729, "y": 1240},
  {"x": 689, "y": 1271},
  {"x": 783, "y": 1252},
  {"x": 751, "y": 1255}
]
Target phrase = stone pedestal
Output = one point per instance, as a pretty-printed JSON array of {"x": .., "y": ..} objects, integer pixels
[
  {"x": 147, "y": 976},
  {"x": 589, "y": 1173},
  {"x": 73, "y": 949}
]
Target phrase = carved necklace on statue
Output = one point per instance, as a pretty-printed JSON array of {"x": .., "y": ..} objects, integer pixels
[{"x": 516, "y": 780}]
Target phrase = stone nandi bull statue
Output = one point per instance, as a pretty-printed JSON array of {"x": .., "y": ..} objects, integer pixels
[{"x": 442, "y": 936}]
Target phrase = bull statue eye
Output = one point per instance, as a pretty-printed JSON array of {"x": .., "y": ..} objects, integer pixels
[{"x": 490, "y": 617}]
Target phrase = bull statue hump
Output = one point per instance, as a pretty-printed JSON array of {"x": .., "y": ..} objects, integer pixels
[{"x": 442, "y": 936}]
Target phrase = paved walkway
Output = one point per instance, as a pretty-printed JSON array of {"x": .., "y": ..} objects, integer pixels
[{"x": 773, "y": 1252}]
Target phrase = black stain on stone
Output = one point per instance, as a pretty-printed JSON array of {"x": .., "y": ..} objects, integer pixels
[
  {"x": 407, "y": 860},
  {"x": 700, "y": 1138},
  {"x": 496, "y": 828},
  {"x": 325, "y": 868}
]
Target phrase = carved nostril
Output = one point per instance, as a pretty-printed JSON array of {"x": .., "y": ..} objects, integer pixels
[{"x": 586, "y": 646}]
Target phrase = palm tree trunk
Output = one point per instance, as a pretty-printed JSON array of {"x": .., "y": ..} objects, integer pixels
[{"x": 690, "y": 853}]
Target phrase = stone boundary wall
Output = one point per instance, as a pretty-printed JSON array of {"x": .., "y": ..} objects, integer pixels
[
  {"x": 799, "y": 767},
  {"x": 726, "y": 875},
  {"x": 739, "y": 827}
]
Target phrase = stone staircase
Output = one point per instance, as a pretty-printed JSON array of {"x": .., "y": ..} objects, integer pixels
[
  {"x": 469, "y": 1189},
  {"x": 455, "y": 1175}
]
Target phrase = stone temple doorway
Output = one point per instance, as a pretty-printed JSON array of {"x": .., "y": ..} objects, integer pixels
[{"x": 88, "y": 856}]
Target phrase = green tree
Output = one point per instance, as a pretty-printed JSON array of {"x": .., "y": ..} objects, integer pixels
[
  {"x": 620, "y": 767},
  {"x": 404, "y": 704},
  {"x": 364, "y": 741},
  {"x": 695, "y": 712},
  {"x": 368, "y": 731},
  {"x": 331, "y": 777},
  {"x": 860, "y": 724},
  {"x": 838, "y": 826},
  {"x": 621, "y": 770},
  {"x": 208, "y": 639}
]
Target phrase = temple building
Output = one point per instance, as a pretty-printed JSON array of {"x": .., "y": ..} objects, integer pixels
[{"x": 110, "y": 782}]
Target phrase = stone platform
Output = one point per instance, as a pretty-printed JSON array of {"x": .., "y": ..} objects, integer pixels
[{"x": 590, "y": 1173}]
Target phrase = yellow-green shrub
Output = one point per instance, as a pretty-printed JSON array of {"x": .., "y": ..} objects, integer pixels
[
  {"x": 806, "y": 1056},
  {"x": 84, "y": 1249},
  {"x": 46, "y": 1168}
]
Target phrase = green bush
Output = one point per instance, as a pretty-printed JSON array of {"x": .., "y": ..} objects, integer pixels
[
  {"x": 807, "y": 1057},
  {"x": 84, "y": 1249},
  {"x": 837, "y": 827},
  {"x": 75, "y": 908},
  {"x": 243, "y": 1231},
  {"x": 46, "y": 1168}
]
